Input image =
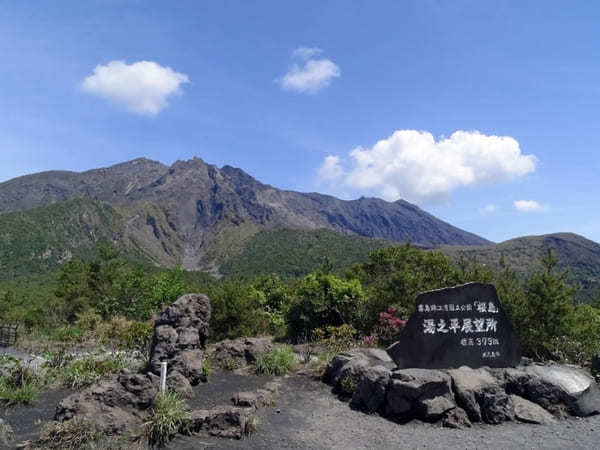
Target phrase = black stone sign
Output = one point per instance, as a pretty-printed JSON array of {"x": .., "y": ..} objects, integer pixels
[{"x": 458, "y": 326}]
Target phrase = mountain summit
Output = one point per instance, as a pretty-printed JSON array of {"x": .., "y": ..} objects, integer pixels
[{"x": 183, "y": 212}]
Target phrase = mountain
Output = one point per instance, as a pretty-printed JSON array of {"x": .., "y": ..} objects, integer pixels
[
  {"x": 578, "y": 255},
  {"x": 199, "y": 214}
]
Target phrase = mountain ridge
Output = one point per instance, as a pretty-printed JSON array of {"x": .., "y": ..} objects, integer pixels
[{"x": 177, "y": 212}]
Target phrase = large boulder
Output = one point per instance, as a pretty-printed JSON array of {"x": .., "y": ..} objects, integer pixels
[
  {"x": 555, "y": 388},
  {"x": 226, "y": 421},
  {"x": 530, "y": 412},
  {"x": 481, "y": 395},
  {"x": 180, "y": 333},
  {"x": 343, "y": 367},
  {"x": 371, "y": 389},
  {"x": 419, "y": 393},
  {"x": 116, "y": 404},
  {"x": 233, "y": 353}
]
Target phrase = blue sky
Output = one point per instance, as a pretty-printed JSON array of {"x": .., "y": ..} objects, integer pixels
[{"x": 483, "y": 113}]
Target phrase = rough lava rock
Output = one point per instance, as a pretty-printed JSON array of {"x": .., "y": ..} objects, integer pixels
[
  {"x": 6, "y": 434},
  {"x": 115, "y": 404},
  {"x": 226, "y": 421},
  {"x": 180, "y": 333},
  {"x": 530, "y": 412},
  {"x": 419, "y": 393},
  {"x": 347, "y": 364},
  {"x": 123, "y": 401},
  {"x": 481, "y": 395},
  {"x": 555, "y": 387},
  {"x": 244, "y": 350},
  {"x": 456, "y": 418},
  {"x": 371, "y": 389}
]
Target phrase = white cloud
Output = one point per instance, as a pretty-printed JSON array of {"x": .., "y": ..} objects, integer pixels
[
  {"x": 309, "y": 75},
  {"x": 142, "y": 87},
  {"x": 488, "y": 209},
  {"x": 411, "y": 165},
  {"x": 330, "y": 170},
  {"x": 305, "y": 53},
  {"x": 528, "y": 206}
]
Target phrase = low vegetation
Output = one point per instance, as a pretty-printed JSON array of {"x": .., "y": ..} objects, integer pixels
[
  {"x": 276, "y": 362},
  {"x": 18, "y": 384},
  {"x": 169, "y": 414},
  {"x": 72, "y": 434}
]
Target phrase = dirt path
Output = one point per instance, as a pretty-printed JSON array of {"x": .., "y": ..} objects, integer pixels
[{"x": 311, "y": 417}]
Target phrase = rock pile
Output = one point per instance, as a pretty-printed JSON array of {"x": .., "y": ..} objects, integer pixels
[
  {"x": 531, "y": 393},
  {"x": 180, "y": 333},
  {"x": 123, "y": 401}
]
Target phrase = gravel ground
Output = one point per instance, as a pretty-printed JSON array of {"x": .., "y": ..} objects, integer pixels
[
  {"x": 27, "y": 420},
  {"x": 311, "y": 417}
]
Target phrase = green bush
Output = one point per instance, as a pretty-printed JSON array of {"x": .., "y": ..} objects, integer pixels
[
  {"x": 138, "y": 336},
  {"x": 70, "y": 333},
  {"x": 237, "y": 311},
  {"x": 169, "y": 414},
  {"x": 275, "y": 362},
  {"x": 323, "y": 300}
]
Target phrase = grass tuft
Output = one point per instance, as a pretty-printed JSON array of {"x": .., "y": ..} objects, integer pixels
[
  {"x": 276, "y": 362},
  {"x": 169, "y": 414}
]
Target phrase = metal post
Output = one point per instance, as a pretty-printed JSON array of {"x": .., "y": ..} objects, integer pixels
[{"x": 163, "y": 377}]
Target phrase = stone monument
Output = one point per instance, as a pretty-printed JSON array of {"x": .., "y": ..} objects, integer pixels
[{"x": 457, "y": 326}]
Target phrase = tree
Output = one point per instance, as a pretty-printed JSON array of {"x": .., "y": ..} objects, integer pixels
[
  {"x": 73, "y": 288},
  {"x": 546, "y": 314}
]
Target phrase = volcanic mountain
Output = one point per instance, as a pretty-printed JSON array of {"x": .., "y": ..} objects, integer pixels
[{"x": 190, "y": 212}]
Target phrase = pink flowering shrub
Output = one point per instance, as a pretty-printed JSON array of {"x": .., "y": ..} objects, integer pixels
[{"x": 387, "y": 330}]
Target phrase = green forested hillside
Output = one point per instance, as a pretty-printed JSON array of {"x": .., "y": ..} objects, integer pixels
[
  {"x": 293, "y": 253},
  {"x": 41, "y": 239},
  {"x": 579, "y": 256}
]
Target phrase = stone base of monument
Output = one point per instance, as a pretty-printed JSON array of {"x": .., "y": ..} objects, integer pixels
[{"x": 530, "y": 392}]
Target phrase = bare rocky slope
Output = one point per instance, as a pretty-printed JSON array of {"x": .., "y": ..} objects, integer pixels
[{"x": 194, "y": 212}]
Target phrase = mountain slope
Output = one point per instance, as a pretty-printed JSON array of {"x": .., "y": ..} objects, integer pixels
[
  {"x": 180, "y": 212},
  {"x": 40, "y": 239},
  {"x": 293, "y": 253},
  {"x": 577, "y": 254}
]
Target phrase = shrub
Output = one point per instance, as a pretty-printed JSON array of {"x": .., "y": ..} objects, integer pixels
[
  {"x": 275, "y": 362},
  {"x": 388, "y": 329},
  {"x": 137, "y": 336},
  {"x": 70, "y": 333},
  {"x": 169, "y": 414},
  {"x": 336, "y": 339},
  {"x": 237, "y": 311},
  {"x": 323, "y": 300}
]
